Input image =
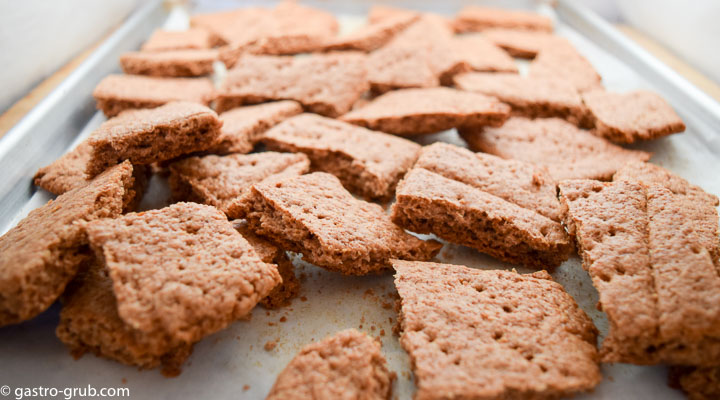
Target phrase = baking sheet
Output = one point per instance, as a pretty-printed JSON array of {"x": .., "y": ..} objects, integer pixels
[{"x": 233, "y": 363}]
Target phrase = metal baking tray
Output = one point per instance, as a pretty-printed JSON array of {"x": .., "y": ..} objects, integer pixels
[{"x": 233, "y": 363}]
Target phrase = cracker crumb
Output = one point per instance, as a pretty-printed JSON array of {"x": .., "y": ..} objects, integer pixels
[
  {"x": 270, "y": 345},
  {"x": 283, "y": 319},
  {"x": 246, "y": 388}
]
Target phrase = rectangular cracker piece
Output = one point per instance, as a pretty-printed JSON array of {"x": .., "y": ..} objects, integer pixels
[
  {"x": 69, "y": 172},
  {"x": 372, "y": 36},
  {"x": 704, "y": 211},
  {"x": 314, "y": 215},
  {"x": 348, "y": 364},
  {"x": 171, "y": 63},
  {"x": 381, "y": 12},
  {"x": 467, "y": 53},
  {"x": 476, "y": 19},
  {"x": 42, "y": 253},
  {"x": 223, "y": 181},
  {"x": 366, "y": 162},
  {"x": 657, "y": 283},
  {"x": 561, "y": 60},
  {"x": 427, "y": 202},
  {"x": 244, "y": 126},
  {"x": 326, "y": 84},
  {"x": 528, "y": 97},
  {"x": 519, "y": 43},
  {"x": 629, "y": 117},
  {"x": 514, "y": 181},
  {"x": 89, "y": 322},
  {"x": 181, "y": 272},
  {"x": 567, "y": 151},
  {"x": 116, "y": 93},
  {"x": 491, "y": 334},
  {"x": 289, "y": 288},
  {"x": 193, "y": 38},
  {"x": 154, "y": 135},
  {"x": 430, "y": 110}
]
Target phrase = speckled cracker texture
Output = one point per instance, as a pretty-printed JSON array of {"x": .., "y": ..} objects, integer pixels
[
  {"x": 372, "y": 36},
  {"x": 181, "y": 272},
  {"x": 697, "y": 383},
  {"x": 117, "y": 93},
  {"x": 314, "y": 215},
  {"x": 347, "y": 365},
  {"x": 491, "y": 334},
  {"x": 656, "y": 280},
  {"x": 154, "y": 135},
  {"x": 223, "y": 181},
  {"x": 561, "y": 60},
  {"x": 565, "y": 150},
  {"x": 430, "y": 110},
  {"x": 366, "y": 162},
  {"x": 42, "y": 253},
  {"x": 171, "y": 63}
]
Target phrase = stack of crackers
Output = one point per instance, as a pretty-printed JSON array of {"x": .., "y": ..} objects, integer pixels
[{"x": 304, "y": 154}]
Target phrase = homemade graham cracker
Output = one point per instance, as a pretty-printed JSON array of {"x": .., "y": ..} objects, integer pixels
[
  {"x": 467, "y": 53},
  {"x": 89, "y": 322},
  {"x": 346, "y": 365},
  {"x": 491, "y": 334},
  {"x": 629, "y": 117},
  {"x": 223, "y": 181},
  {"x": 704, "y": 214},
  {"x": 193, "y": 38},
  {"x": 243, "y": 127},
  {"x": 372, "y": 36},
  {"x": 172, "y": 63},
  {"x": 697, "y": 383},
  {"x": 42, "y": 253},
  {"x": 528, "y": 97},
  {"x": 153, "y": 135},
  {"x": 657, "y": 282},
  {"x": 289, "y": 288},
  {"x": 428, "y": 202},
  {"x": 182, "y": 272},
  {"x": 256, "y": 79},
  {"x": 561, "y": 60},
  {"x": 429, "y": 110},
  {"x": 314, "y": 215},
  {"x": 381, "y": 12},
  {"x": 366, "y": 162},
  {"x": 116, "y": 93},
  {"x": 519, "y": 43},
  {"x": 477, "y": 19},
  {"x": 69, "y": 172},
  {"x": 565, "y": 150}
]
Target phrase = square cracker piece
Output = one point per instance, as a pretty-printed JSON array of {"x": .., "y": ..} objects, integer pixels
[
  {"x": 491, "y": 334},
  {"x": 704, "y": 211},
  {"x": 467, "y": 53},
  {"x": 656, "y": 279},
  {"x": 193, "y": 38},
  {"x": 244, "y": 126},
  {"x": 155, "y": 135},
  {"x": 428, "y": 110},
  {"x": 69, "y": 172},
  {"x": 117, "y": 93},
  {"x": 633, "y": 116},
  {"x": 326, "y": 84},
  {"x": 528, "y": 97},
  {"x": 172, "y": 63},
  {"x": 289, "y": 288},
  {"x": 567, "y": 151},
  {"x": 476, "y": 19},
  {"x": 372, "y": 36},
  {"x": 561, "y": 60},
  {"x": 223, "y": 181},
  {"x": 182, "y": 272},
  {"x": 346, "y": 365},
  {"x": 504, "y": 208},
  {"x": 366, "y": 162},
  {"x": 89, "y": 322},
  {"x": 314, "y": 215},
  {"x": 42, "y": 253}
]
